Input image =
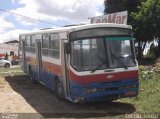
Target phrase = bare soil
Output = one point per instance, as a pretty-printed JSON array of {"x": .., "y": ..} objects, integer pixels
[{"x": 19, "y": 95}]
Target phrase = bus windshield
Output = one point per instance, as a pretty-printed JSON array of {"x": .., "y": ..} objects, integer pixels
[{"x": 89, "y": 54}]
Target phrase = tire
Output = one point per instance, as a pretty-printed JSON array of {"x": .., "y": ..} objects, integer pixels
[
  {"x": 59, "y": 90},
  {"x": 7, "y": 65}
]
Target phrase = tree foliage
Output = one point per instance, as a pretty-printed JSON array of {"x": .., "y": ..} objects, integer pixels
[
  {"x": 112, "y": 6},
  {"x": 148, "y": 20}
]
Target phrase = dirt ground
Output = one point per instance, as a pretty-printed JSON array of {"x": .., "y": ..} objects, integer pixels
[{"x": 19, "y": 95}]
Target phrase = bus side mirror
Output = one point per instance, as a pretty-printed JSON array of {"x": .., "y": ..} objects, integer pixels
[{"x": 67, "y": 47}]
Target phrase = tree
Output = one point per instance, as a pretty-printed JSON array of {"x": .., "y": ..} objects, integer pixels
[
  {"x": 147, "y": 19},
  {"x": 112, "y": 6}
]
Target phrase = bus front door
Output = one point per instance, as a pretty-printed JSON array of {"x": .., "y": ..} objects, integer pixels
[
  {"x": 38, "y": 58},
  {"x": 64, "y": 69},
  {"x": 24, "y": 56}
]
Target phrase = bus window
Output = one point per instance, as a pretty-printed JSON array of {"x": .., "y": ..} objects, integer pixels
[
  {"x": 54, "y": 45},
  {"x": 28, "y": 43},
  {"x": 87, "y": 54},
  {"x": 33, "y": 40},
  {"x": 121, "y": 52},
  {"x": 45, "y": 43},
  {"x": 28, "y": 40}
]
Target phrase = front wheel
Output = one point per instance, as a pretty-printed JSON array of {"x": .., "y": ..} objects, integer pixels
[{"x": 59, "y": 90}]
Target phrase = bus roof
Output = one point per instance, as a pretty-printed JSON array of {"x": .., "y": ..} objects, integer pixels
[{"x": 79, "y": 27}]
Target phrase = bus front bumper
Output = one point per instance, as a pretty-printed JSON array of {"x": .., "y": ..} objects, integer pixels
[{"x": 103, "y": 92}]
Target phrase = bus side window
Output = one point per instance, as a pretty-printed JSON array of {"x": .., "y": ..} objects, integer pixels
[
  {"x": 54, "y": 45},
  {"x": 28, "y": 43},
  {"x": 20, "y": 43},
  {"x": 45, "y": 44},
  {"x": 33, "y": 40}
]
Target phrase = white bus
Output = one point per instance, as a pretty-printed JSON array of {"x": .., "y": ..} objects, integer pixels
[{"x": 94, "y": 62}]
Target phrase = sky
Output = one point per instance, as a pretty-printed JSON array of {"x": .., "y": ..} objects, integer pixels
[{"x": 44, "y": 14}]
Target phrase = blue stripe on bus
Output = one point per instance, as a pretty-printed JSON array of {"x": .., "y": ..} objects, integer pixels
[
  {"x": 47, "y": 78},
  {"x": 78, "y": 90}
]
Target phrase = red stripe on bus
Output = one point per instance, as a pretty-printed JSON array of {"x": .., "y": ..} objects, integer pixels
[
  {"x": 104, "y": 77},
  {"x": 46, "y": 66},
  {"x": 56, "y": 69},
  {"x": 74, "y": 77},
  {"x": 53, "y": 68}
]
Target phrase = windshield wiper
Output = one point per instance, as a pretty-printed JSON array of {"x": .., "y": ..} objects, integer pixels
[
  {"x": 98, "y": 67},
  {"x": 122, "y": 64}
]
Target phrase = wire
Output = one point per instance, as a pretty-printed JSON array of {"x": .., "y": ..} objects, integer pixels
[
  {"x": 6, "y": 27},
  {"x": 33, "y": 19}
]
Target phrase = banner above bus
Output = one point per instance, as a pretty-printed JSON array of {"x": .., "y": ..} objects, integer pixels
[{"x": 119, "y": 18}]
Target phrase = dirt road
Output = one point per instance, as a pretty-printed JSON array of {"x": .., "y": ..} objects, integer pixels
[{"x": 19, "y": 95}]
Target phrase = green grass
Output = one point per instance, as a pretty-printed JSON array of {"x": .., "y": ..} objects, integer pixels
[
  {"x": 148, "y": 100},
  {"x": 11, "y": 71},
  {"x": 2, "y": 69}
]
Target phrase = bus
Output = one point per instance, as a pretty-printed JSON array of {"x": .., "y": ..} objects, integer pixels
[{"x": 85, "y": 63}]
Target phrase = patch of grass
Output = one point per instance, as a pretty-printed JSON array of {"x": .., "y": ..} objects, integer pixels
[
  {"x": 145, "y": 73},
  {"x": 11, "y": 71},
  {"x": 2, "y": 69},
  {"x": 148, "y": 100}
]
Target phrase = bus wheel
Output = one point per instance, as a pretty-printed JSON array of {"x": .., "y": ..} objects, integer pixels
[{"x": 59, "y": 90}]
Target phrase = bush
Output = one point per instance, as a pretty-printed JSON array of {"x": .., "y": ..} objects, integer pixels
[{"x": 146, "y": 73}]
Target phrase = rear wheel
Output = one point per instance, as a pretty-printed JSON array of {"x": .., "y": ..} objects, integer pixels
[
  {"x": 7, "y": 65},
  {"x": 59, "y": 90}
]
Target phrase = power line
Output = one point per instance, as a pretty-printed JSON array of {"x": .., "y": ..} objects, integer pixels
[
  {"x": 33, "y": 19},
  {"x": 5, "y": 27}
]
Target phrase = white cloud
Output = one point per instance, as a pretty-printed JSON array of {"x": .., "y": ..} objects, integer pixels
[
  {"x": 53, "y": 10},
  {"x": 67, "y": 11},
  {"x": 13, "y": 35},
  {"x": 4, "y": 25}
]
